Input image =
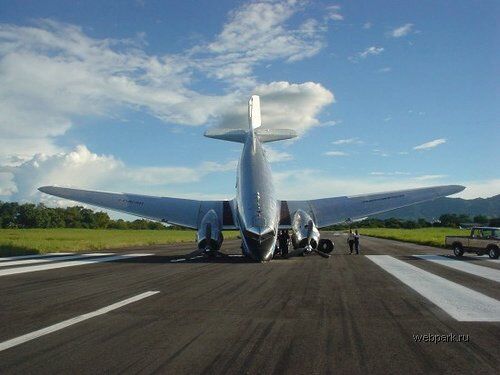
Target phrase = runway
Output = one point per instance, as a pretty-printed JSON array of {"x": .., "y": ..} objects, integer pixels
[{"x": 149, "y": 310}]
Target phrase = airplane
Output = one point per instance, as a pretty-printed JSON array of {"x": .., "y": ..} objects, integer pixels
[{"x": 256, "y": 211}]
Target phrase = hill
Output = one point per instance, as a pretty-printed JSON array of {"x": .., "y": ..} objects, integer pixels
[{"x": 432, "y": 210}]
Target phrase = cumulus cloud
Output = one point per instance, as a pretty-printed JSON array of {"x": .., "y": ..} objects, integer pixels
[
  {"x": 53, "y": 74},
  {"x": 480, "y": 188},
  {"x": 83, "y": 169},
  {"x": 283, "y": 105},
  {"x": 430, "y": 144},
  {"x": 275, "y": 156},
  {"x": 402, "y": 30}
]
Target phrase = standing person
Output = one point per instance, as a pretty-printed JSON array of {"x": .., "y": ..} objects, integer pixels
[
  {"x": 350, "y": 240},
  {"x": 356, "y": 241}
]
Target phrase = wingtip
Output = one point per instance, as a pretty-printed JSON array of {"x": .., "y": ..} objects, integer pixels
[{"x": 45, "y": 189}]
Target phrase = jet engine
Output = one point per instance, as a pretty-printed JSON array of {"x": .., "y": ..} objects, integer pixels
[
  {"x": 304, "y": 232},
  {"x": 209, "y": 235},
  {"x": 306, "y": 236}
]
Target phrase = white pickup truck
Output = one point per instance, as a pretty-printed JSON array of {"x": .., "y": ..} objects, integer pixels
[{"x": 482, "y": 240}]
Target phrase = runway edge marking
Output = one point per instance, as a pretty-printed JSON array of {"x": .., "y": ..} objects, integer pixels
[
  {"x": 473, "y": 269},
  {"x": 52, "y": 259},
  {"x": 3, "y": 259},
  {"x": 67, "y": 323},
  {"x": 458, "y": 301},
  {"x": 51, "y": 266}
]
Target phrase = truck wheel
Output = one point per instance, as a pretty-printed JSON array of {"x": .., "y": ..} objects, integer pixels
[
  {"x": 458, "y": 251},
  {"x": 493, "y": 252}
]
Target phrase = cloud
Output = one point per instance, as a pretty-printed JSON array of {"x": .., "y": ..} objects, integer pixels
[
  {"x": 333, "y": 13},
  {"x": 347, "y": 141},
  {"x": 367, "y": 25},
  {"x": 283, "y": 105},
  {"x": 83, "y": 169},
  {"x": 426, "y": 177},
  {"x": 275, "y": 156},
  {"x": 397, "y": 173},
  {"x": 431, "y": 144},
  {"x": 290, "y": 185},
  {"x": 387, "y": 69},
  {"x": 370, "y": 51},
  {"x": 53, "y": 75},
  {"x": 402, "y": 30},
  {"x": 336, "y": 153},
  {"x": 480, "y": 188}
]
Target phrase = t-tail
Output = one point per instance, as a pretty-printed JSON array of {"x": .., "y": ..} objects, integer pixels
[{"x": 254, "y": 128}]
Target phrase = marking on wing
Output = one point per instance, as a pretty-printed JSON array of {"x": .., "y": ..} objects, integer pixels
[{"x": 461, "y": 303}]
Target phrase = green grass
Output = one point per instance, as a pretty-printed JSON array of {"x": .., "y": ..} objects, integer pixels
[
  {"x": 40, "y": 241},
  {"x": 423, "y": 236}
]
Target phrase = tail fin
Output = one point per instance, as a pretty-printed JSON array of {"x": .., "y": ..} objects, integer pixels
[
  {"x": 254, "y": 123},
  {"x": 254, "y": 119}
]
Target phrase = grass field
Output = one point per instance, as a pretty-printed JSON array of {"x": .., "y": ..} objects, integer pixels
[
  {"x": 423, "y": 236},
  {"x": 40, "y": 241}
]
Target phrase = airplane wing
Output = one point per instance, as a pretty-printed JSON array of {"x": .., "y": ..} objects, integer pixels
[
  {"x": 183, "y": 212},
  {"x": 329, "y": 211}
]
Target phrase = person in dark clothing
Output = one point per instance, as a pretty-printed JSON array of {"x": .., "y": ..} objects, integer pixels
[
  {"x": 283, "y": 242},
  {"x": 350, "y": 241},
  {"x": 356, "y": 241}
]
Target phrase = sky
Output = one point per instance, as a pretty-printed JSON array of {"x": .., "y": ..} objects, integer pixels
[{"x": 116, "y": 96}]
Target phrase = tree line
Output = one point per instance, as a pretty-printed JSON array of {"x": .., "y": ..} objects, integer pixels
[
  {"x": 445, "y": 220},
  {"x": 28, "y": 215}
]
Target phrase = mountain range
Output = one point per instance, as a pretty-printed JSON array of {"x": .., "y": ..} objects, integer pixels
[{"x": 489, "y": 207}]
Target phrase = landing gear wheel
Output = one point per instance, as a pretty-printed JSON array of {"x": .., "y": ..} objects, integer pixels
[
  {"x": 493, "y": 253},
  {"x": 325, "y": 246},
  {"x": 458, "y": 251}
]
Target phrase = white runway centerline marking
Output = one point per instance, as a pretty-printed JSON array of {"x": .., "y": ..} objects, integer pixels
[
  {"x": 52, "y": 259},
  {"x": 464, "y": 266},
  {"x": 56, "y": 327},
  {"x": 33, "y": 256},
  {"x": 463, "y": 304},
  {"x": 70, "y": 263}
]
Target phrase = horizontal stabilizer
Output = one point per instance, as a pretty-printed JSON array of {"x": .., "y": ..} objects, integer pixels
[
  {"x": 240, "y": 135},
  {"x": 231, "y": 135},
  {"x": 271, "y": 135}
]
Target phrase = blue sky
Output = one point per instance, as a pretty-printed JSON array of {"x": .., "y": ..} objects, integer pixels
[{"x": 116, "y": 96}]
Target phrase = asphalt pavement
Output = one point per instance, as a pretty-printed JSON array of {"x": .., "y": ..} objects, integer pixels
[{"x": 149, "y": 310}]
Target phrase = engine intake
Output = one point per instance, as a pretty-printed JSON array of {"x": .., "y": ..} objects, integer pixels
[
  {"x": 304, "y": 231},
  {"x": 209, "y": 235}
]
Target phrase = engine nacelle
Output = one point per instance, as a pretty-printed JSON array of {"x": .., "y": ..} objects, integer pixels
[
  {"x": 209, "y": 235},
  {"x": 304, "y": 231}
]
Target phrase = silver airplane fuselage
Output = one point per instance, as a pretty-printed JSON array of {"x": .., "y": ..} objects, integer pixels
[{"x": 256, "y": 206}]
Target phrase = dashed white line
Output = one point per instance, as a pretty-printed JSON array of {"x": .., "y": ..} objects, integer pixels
[
  {"x": 464, "y": 266},
  {"x": 459, "y": 302},
  {"x": 32, "y": 256},
  {"x": 52, "y": 259},
  {"x": 70, "y": 263},
  {"x": 56, "y": 327}
]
